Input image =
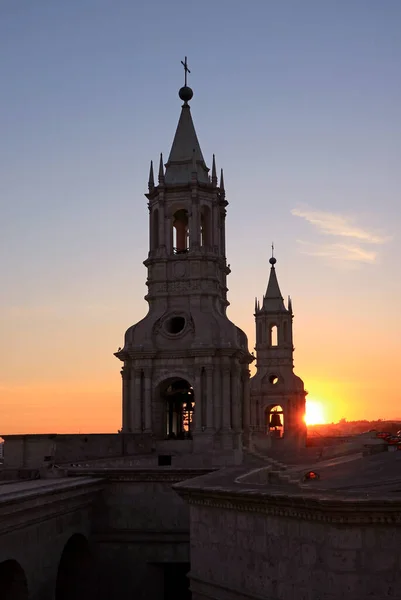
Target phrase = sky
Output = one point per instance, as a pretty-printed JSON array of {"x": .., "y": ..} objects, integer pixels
[{"x": 300, "y": 102}]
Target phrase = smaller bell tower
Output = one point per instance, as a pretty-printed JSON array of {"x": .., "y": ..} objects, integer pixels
[{"x": 277, "y": 394}]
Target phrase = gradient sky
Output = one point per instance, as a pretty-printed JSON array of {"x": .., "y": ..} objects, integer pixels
[{"x": 300, "y": 102}]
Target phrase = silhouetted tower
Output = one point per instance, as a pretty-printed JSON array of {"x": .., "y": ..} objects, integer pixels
[
  {"x": 186, "y": 365},
  {"x": 277, "y": 394}
]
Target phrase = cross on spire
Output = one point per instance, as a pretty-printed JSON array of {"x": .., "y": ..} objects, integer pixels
[
  {"x": 186, "y": 70},
  {"x": 272, "y": 250}
]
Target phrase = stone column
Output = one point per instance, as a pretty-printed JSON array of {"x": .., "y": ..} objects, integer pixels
[
  {"x": 168, "y": 228},
  {"x": 126, "y": 399},
  {"x": 136, "y": 400},
  {"x": 215, "y": 226},
  {"x": 258, "y": 416},
  {"x": 246, "y": 405},
  {"x": 223, "y": 232},
  {"x": 226, "y": 393},
  {"x": 150, "y": 228},
  {"x": 194, "y": 225},
  {"x": 147, "y": 400},
  {"x": 252, "y": 411},
  {"x": 217, "y": 399},
  {"x": 236, "y": 398},
  {"x": 209, "y": 398},
  {"x": 198, "y": 401},
  {"x": 162, "y": 229}
]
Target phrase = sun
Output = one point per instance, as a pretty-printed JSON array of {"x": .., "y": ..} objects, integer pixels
[{"x": 314, "y": 413}]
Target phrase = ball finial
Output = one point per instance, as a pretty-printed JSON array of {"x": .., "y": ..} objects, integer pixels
[
  {"x": 272, "y": 261},
  {"x": 185, "y": 93}
]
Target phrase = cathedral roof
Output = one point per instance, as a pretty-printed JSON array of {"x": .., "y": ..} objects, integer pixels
[
  {"x": 273, "y": 300},
  {"x": 186, "y": 157}
]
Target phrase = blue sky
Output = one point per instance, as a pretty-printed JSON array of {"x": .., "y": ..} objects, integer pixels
[{"x": 300, "y": 102}]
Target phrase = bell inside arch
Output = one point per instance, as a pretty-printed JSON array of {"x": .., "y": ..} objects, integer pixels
[{"x": 275, "y": 420}]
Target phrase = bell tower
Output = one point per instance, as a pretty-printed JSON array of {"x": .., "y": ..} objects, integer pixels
[
  {"x": 185, "y": 364},
  {"x": 277, "y": 394}
]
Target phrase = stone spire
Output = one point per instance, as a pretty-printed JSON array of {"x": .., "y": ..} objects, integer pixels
[
  {"x": 185, "y": 149},
  {"x": 222, "y": 189},
  {"x": 214, "y": 172},
  {"x": 161, "y": 169},
  {"x": 151, "y": 183},
  {"x": 273, "y": 300}
]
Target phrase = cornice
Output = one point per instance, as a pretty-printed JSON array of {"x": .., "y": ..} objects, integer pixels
[
  {"x": 23, "y": 507},
  {"x": 155, "y": 474},
  {"x": 130, "y": 354},
  {"x": 323, "y": 509},
  {"x": 136, "y": 536}
]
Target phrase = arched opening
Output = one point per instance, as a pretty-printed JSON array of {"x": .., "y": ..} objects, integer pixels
[
  {"x": 273, "y": 336},
  {"x": 206, "y": 229},
  {"x": 180, "y": 232},
  {"x": 13, "y": 583},
  {"x": 274, "y": 418},
  {"x": 155, "y": 229},
  {"x": 178, "y": 398},
  {"x": 75, "y": 576}
]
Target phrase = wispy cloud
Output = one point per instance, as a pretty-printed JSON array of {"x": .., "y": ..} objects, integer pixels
[
  {"x": 338, "y": 252},
  {"x": 355, "y": 240},
  {"x": 340, "y": 225}
]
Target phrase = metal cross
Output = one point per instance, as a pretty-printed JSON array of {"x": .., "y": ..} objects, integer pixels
[
  {"x": 272, "y": 250},
  {"x": 185, "y": 65}
]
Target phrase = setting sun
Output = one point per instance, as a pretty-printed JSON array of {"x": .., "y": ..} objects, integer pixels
[{"x": 314, "y": 414}]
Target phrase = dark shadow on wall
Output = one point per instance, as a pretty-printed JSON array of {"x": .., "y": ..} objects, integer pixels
[
  {"x": 13, "y": 584},
  {"x": 76, "y": 573},
  {"x": 176, "y": 582}
]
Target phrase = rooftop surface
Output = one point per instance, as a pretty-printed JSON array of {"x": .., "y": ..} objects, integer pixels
[
  {"x": 24, "y": 489},
  {"x": 348, "y": 480}
]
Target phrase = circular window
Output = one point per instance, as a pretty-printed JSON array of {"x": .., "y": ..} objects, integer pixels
[
  {"x": 175, "y": 325},
  {"x": 273, "y": 379}
]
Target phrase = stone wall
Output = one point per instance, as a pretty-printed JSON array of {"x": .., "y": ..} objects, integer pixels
[
  {"x": 140, "y": 526},
  {"x": 249, "y": 546},
  {"x": 37, "y": 518},
  {"x": 34, "y": 451},
  {"x": 257, "y": 556}
]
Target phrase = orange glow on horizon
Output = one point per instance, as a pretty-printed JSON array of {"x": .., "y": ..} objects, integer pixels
[{"x": 314, "y": 414}]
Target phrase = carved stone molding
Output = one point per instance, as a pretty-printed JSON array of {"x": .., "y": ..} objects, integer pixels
[
  {"x": 160, "y": 474},
  {"x": 125, "y": 374},
  {"x": 297, "y": 506}
]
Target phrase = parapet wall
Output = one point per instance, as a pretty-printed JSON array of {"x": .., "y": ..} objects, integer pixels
[
  {"x": 253, "y": 542},
  {"x": 35, "y": 451}
]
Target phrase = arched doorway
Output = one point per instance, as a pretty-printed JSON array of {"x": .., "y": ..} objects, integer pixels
[
  {"x": 274, "y": 419},
  {"x": 13, "y": 583},
  {"x": 178, "y": 398},
  {"x": 75, "y": 576}
]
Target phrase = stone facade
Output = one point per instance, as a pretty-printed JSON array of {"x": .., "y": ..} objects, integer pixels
[
  {"x": 44, "y": 450},
  {"x": 37, "y": 519},
  {"x": 256, "y": 543},
  {"x": 277, "y": 405},
  {"x": 186, "y": 365}
]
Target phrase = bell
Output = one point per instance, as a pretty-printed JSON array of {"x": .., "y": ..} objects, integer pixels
[{"x": 275, "y": 420}]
